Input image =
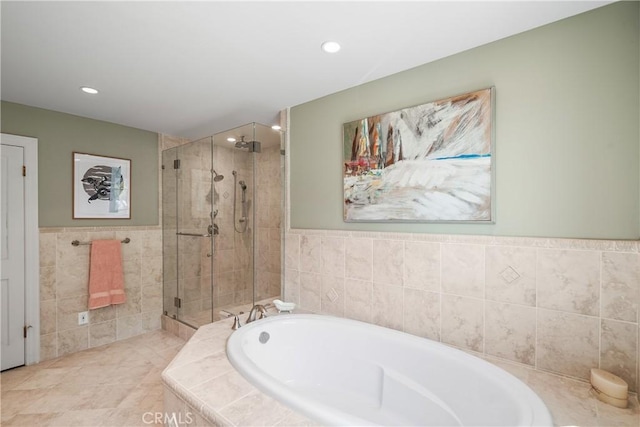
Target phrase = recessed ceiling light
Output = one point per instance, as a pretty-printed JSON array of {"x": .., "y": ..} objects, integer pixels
[
  {"x": 330, "y": 47},
  {"x": 90, "y": 90},
  {"x": 276, "y": 127},
  {"x": 231, "y": 139}
]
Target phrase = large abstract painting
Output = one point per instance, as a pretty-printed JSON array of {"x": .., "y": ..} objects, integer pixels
[{"x": 432, "y": 162}]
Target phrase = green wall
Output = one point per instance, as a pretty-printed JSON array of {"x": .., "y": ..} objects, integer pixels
[
  {"x": 59, "y": 135},
  {"x": 567, "y": 130}
]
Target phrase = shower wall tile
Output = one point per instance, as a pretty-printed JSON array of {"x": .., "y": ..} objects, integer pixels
[
  {"x": 463, "y": 270},
  {"x": 620, "y": 286},
  {"x": 388, "y": 262},
  {"x": 618, "y": 350},
  {"x": 510, "y": 332},
  {"x": 511, "y": 274},
  {"x": 534, "y": 301},
  {"x": 463, "y": 322},
  {"x": 64, "y": 278},
  {"x": 567, "y": 343},
  {"x": 422, "y": 265},
  {"x": 358, "y": 258},
  {"x": 569, "y": 281}
]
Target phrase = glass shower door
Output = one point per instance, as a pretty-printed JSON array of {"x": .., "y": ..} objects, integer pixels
[
  {"x": 187, "y": 206},
  {"x": 195, "y": 232}
]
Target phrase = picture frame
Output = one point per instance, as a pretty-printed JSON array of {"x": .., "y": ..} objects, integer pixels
[
  {"x": 101, "y": 187},
  {"x": 428, "y": 163}
]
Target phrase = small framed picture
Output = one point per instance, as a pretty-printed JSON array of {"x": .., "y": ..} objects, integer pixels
[{"x": 101, "y": 187}]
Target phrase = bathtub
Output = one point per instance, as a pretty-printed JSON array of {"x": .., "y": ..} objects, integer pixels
[{"x": 344, "y": 372}]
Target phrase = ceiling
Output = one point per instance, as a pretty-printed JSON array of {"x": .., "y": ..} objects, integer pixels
[{"x": 192, "y": 69}]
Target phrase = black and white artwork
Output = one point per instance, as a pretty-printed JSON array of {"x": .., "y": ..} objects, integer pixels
[{"x": 101, "y": 187}]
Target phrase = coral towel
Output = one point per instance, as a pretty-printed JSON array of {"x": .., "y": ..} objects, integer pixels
[{"x": 106, "y": 279}]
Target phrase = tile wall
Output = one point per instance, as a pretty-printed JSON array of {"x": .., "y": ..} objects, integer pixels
[
  {"x": 268, "y": 223},
  {"x": 559, "y": 305},
  {"x": 64, "y": 275}
]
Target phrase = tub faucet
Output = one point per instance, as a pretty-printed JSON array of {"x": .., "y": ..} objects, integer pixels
[{"x": 257, "y": 312}]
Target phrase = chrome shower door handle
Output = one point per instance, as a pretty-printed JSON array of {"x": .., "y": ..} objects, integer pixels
[{"x": 179, "y": 233}]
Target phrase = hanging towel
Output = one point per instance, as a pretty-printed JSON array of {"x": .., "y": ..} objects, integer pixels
[{"x": 106, "y": 278}]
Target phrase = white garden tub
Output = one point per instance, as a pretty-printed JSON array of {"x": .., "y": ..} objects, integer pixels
[{"x": 343, "y": 372}]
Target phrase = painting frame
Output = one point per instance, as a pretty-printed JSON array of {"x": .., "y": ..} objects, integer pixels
[
  {"x": 101, "y": 187},
  {"x": 446, "y": 173}
]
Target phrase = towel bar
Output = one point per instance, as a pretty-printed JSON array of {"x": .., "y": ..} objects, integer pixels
[{"x": 78, "y": 243}]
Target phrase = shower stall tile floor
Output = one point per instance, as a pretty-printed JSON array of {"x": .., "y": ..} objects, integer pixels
[{"x": 117, "y": 384}]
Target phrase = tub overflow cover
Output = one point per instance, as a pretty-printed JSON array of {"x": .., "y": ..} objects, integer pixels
[{"x": 264, "y": 337}]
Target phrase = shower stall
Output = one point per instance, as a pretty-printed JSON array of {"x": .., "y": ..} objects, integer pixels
[{"x": 222, "y": 206}]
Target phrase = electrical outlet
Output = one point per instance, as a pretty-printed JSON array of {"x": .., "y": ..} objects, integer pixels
[{"x": 83, "y": 318}]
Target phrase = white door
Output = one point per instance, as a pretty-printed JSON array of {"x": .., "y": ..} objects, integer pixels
[{"x": 12, "y": 252}]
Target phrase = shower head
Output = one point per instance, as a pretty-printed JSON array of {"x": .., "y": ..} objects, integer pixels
[
  {"x": 243, "y": 144},
  {"x": 217, "y": 177}
]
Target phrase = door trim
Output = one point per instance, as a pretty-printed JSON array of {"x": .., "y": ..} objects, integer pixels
[{"x": 32, "y": 244}]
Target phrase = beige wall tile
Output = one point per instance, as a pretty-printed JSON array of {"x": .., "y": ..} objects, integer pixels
[
  {"x": 310, "y": 289},
  {"x": 73, "y": 340},
  {"x": 311, "y": 254},
  {"x": 47, "y": 242},
  {"x": 358, "y": 259},
  {"x": 388, "y": 262},
  {"x": 358, "y": 299},
  {"x": 422, "y": 266},
  {"x": 48, "y": 313},
  {"x": 463, "y": 270},
  {"x": 510, "y": 332},
  {"x": 569, "y": 281},
  {"x": 292, "y": 251},
  {"x": 511, "y": 274},
  {"x": 618, "y": 350},
  {"x": 292, "y": 286},
  {"x": 332, "y": 302},
  {"x": 102, "y": 314},
  {"x": 386, "y": 306},
  {"x": 422, "y": 313},
  {"x": 102, "y": 333},
  {"x": 67, "y": 311},
  {"x": 48, "y": 346},
  {"x": 567, "y": 343},
  {"x": 129, "y": 326},
  {"x": 47, "y": 283},
  {"x": 620, "y": 286},
  {"x": 333, "y": 256},
  {"x": 462, "y": 322}
]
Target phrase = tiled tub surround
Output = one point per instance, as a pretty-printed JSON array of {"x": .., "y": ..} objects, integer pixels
[
  {"x": 557, "y": 305},
  {"x": 64, "y": 278},
  {"x": 203, "y": 389}
]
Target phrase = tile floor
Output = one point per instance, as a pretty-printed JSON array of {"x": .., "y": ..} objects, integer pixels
[{"x": 117, "y": 384}]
